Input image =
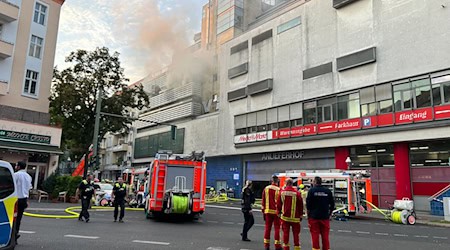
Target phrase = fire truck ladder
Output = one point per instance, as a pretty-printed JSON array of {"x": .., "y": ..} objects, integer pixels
[{"x": 160, "y": 180}]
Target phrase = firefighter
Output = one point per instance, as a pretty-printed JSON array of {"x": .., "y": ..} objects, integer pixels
[
  {"x": 304, "y": 194},
  {"x": 290, "y": 206},
  {"x": 320, "y": 205},
  {"x": 269, "y": 209},
  {"x": 118, "y": 196},
  {"x": 85, "y": 191}
]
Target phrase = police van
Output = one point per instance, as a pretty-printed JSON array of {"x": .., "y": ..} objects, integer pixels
[{"x": 8, "y": 206}]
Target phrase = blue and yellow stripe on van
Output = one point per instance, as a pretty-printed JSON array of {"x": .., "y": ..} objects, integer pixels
[{"x": 6, "y": 219}]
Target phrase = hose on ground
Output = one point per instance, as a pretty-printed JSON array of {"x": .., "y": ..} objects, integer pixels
[{"x": 73, "y": 215}]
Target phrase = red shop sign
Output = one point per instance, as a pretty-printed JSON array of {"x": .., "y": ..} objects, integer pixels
[
  {"x": 296, "y": 131},
  {"x": 442, "y": 112},
  {"x": 351, "y": 124},
  {"x": 329, "y": 127},
  {"x": 310, "y": 129},
  {"x": 284, "y": 133},
  {"x": 417, "y": 115},
  {"x": 385, "y": 120},
  {"x": 370, "y": 122}
]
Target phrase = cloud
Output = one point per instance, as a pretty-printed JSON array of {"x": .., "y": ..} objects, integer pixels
[{"x": 90, "y": 24}]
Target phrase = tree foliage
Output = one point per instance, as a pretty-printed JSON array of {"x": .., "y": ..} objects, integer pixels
[{"x": 74, "y": 96}]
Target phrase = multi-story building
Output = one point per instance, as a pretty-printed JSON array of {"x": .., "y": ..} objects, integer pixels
[
  {"x": 28, "y": 33},
  {"x": 115, "y": 152},
  {"x": 359, "y": 84}
]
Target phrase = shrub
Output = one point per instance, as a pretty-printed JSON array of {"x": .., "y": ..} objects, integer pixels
[
  {"x": 74, "y": 182},
  {"x": 49, "y": 184},
  {"x": 61, "y": 185}
]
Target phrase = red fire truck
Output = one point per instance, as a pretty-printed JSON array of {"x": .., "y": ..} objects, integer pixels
[{"x": 176, "y": 185}]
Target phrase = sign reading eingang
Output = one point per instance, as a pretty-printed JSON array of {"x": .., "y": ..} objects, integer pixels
[{"x": 18, "y": 136}]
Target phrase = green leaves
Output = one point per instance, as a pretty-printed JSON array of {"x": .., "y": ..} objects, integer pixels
[{"x": 75, "y": 91}]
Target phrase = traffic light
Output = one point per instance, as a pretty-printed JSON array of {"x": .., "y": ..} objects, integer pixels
[{"x": 173, "y": 132}]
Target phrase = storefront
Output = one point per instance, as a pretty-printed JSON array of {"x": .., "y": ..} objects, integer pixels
[{"x": 36, "y": 145}]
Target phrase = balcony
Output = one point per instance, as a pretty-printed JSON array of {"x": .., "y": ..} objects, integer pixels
[
  {"x": 6, "y": 49},
  {"x": 187, "y": 109},
  {"x": 8, "y": 12},
  {"x": 3, "y": 87},
  {"x": 176, "y": 94},
  {"x": 119, "y": 148}
]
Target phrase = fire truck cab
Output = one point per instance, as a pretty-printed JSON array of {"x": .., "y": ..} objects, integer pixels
[
  {"x": 176, "y": 185},
  {"x": 350, "y": 188}
]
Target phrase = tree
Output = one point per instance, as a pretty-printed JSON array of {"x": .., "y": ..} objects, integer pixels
[{"x": 74, "y": 94}]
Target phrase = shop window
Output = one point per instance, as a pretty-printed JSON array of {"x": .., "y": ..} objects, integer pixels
[
  {"x": 310, "y": 113},
  {"x": 240, "y": 124},
  {"x": 369, "y": 109},
  {"x": 441, "y": 90},
  {"x": 430, "y": 154},
  {"x": 422, "y": 95},
  {"x": 326, "y": 110},
  {"x": 348, "y": 106},
  {"x": 296, "y": 114}
]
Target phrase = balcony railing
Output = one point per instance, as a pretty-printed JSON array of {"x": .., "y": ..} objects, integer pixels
[
  {"x": 176, "y": 94},
  {"x": 6, "y": 49}
]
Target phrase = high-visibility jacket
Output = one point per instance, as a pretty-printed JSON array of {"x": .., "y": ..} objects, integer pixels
[
  {"x": 290, "y": 205},
  {"x": 269, "y": 199}
]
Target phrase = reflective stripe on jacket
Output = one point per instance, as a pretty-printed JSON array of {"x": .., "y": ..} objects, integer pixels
[
  {"x": 290, "y": 204},
  {"x": 269, "y": 199}
]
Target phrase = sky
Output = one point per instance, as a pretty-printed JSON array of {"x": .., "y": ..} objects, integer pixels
[{"x": 144, "y": 32}]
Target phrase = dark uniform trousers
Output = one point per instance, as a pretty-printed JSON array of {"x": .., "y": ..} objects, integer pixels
[
  {"x": 85, "y": 202},
  {"x": 117, "y": 203}
]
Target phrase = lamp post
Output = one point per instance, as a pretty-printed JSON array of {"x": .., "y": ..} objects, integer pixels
[{"x": 349, "y": 162}]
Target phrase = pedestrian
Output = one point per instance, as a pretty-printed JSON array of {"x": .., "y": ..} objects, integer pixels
[
  {"x": 85, "y": 191},
  {"x": 23, "y": 184},
  {"x": 320, "y": 205},
  {"x": 290, "y": 206},
  {"x": 118, "y": 195},
  {"x": 247, "y": 200},
  {"x": 269, "y": 209},
  {"x": 304, "y": 194}
]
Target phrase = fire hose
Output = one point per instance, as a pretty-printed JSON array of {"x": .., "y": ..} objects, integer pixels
[{"x": 73, "y": 215}]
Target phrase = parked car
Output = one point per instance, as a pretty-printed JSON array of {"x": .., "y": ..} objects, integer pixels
[
  {"x": 103, "y": 194},
  {"x": 8, "y": 206}
]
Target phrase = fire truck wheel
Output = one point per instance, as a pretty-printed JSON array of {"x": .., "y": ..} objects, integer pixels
[{"x": 148, "y": 214}]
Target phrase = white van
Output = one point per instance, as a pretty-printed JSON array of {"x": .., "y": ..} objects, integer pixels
[{"x": 8, "y": 206}]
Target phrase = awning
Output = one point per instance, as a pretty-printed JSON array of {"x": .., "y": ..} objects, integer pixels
[{"x": 28, "y": 147}]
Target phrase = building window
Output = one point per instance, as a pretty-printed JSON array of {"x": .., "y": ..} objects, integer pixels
[
  {"x": 296, "y": 114},
  {"x": 240, "y": 124},
  {"x": 288, "y": 25},
  {"x": 310, "y": 112},
  {"x": 31, "y": 82},
  {"x": 368, "y": 109},
  {"x": 422, "y": 94},
  {"x": 415, "y": 94},
  {"x": 430, "y": 154},
  {"x": 36, "y": 46},
  {"x": 230, "y": 14},
  {"x": 348, "y": 106},
  {"x": 441, "y": 90},
  {"x": 283, "y": 117},
  {"x": 39, "y": 13},
  {"x": 326, "y": 110},
  {"x": 261, "y": 121}
]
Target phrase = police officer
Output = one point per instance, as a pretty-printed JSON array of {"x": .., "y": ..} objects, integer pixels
[
  {"x": 247, "y": 200},
  {"x": 118, "y": 195},
  {"x": 85, "y": 191},
  {"x": 269, "y": 209}
]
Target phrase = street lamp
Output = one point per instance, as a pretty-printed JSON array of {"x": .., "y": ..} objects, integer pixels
[{"x": 348, "y": 161}]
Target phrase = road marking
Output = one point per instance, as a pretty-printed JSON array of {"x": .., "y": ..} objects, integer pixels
[
  {"x": 212, "y": 221},
  {"x": 421, "y": 236},
  {"x": 344, "y": 231},
  {"x": 81, "y": 236},
  {"x": 362, "y": 232},
  {"x": 240, "y": 223},
  {"x": 27, "y": 232},
  {"x": 217, "y": 248},
  {"x": 230, "y": 208},
  {"x": 228, "y": 222},
  {"x": 306, "y": 228},
  {"x": 384, "y": 234},
  {"x": 442, "y": 238},
  {"x": 331, "y": 230},
  {"x": 151, "y": 242},
  {"x": 259, "y": 225},
  {"x": 380, "y": 224},
  {"x": 401, "y": 235}
]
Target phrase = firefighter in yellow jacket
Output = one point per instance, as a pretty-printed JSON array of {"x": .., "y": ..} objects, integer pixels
[{"x": 269, "y": 209}]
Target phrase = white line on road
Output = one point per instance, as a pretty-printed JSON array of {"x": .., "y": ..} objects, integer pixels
[
  {"x": 259, "y": 225},
  {"x": 228, "y": 222},
  {"x": 344, "y": 231},
  {"x": 306, "y": 228},
  {"x": 217, "y": 248},
  {"x": 81, "y": 236},
  {"x": 442, "y": 238},
  {"x": 401, "y": 235},
  {"x": 384, "y": 234},
  {"x": 421, "y": 236},
  {"x": 362, "y": 232},
  {"x": 212, "y": 221},
  {"x": 27, "y": 232},
  {"x": 151, "y": 242},
  {"x": 240, "y": 223}
]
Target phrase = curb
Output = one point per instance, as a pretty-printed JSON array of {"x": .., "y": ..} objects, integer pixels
[{"x": 418, "y": 221}]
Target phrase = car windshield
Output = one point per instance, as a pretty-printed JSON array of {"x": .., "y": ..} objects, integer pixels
[{"x": 104, "y": 187}]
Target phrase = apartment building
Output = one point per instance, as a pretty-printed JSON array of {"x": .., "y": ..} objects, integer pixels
[
  {"x": 28, "y": 34},
  {"x": 313, "y": 83}
]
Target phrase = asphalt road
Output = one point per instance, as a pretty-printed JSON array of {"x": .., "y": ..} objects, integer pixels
[{"x": 218, "y": 229}]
